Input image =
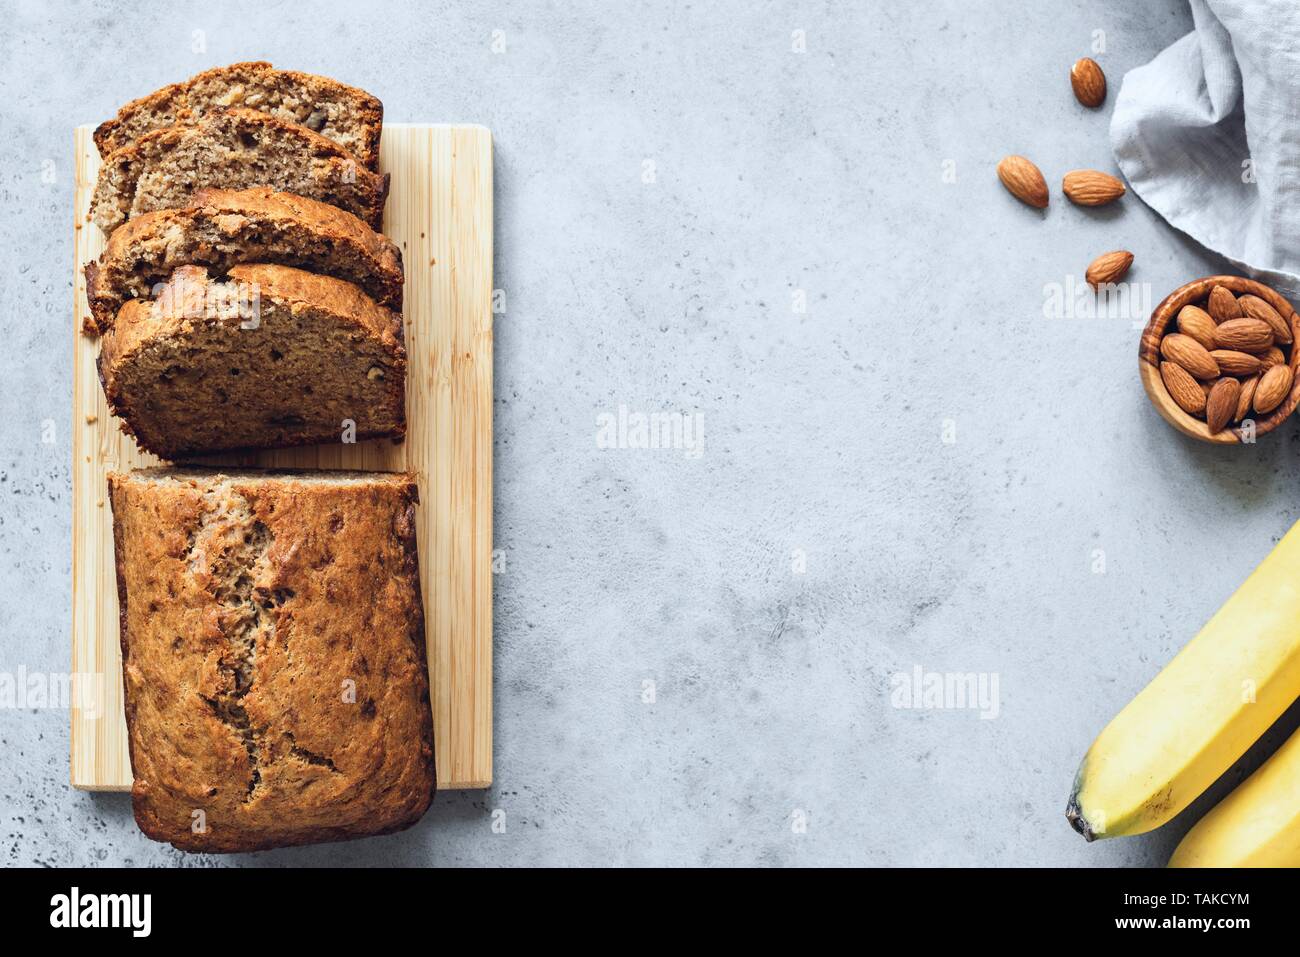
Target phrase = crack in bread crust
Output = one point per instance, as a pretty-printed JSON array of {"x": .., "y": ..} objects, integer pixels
[
  {"x": 309, "y": 757},
  {"x": 232, "y": 570}
]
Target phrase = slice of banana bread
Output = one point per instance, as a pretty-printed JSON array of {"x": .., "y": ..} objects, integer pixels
[
  {"x": 348, "y": 116},
  {"x": 232, "y": 149},
  {"x": 273, "y": 655},
  {"x": 268, "y": 358},
  {"x": 223, "y": 228}
]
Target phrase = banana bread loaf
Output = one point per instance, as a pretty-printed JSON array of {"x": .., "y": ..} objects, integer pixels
[
  {"x": 223, "y": 228},
  {"x": 232, "y": 149},
  {"x": 273, "y": 655},
  {"x": 270, "y": 357},
  {"x": 348, "y": 116}
]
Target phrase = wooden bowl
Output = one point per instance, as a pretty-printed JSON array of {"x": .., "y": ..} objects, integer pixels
[{"x": 1162, "y": 320}]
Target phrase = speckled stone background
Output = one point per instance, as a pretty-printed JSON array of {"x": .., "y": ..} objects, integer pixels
[{"x": 966, "y": 484}]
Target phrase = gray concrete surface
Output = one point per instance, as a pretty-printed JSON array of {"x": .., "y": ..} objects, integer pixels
[{"x": 970, "y": 485}]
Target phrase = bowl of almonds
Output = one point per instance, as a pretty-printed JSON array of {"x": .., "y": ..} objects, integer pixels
[{"x": 1219, "y": 359}]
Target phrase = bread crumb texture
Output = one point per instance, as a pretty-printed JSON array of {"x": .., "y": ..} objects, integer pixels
[
  {"x": 271, "y": 357},
  {"x": 232, "y": 149},
  {"x": 223, "y": 228},
  {"x": 344, "y": 114}
]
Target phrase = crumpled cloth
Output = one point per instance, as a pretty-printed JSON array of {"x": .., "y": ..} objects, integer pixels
[{"x": 1208, "y": 135}]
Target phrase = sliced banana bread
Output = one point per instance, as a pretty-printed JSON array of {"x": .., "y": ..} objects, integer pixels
[
  {"x": 273, "y": 655},
  {"x": 232, "y": 149},
  {"x": 223, "y": 228},
  {"x": 348, "y": 116},
  {"x": 270, "y": 357}
]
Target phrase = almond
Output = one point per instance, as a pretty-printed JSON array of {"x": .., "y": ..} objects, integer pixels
[
  {"x": 1272, "y": 389},
  {"x": 1196, "y": 322},
  {"x": 1108, "y": 267},
  {"x": 1236, "y": 363},
  {"x": 1245, "y": 397},
  {"x": 1189, "y": 354},
  {"x": 1221, "y": 403},
  {"x": 1257, "y": 308},
  {"x": 1090, "y": 187},
  {"x": 1223, "y": 305},
  {"x": 1183, "y": 389},
  {"x": 1089, "y": 82},
  {"x": 1274, "y": 357},
  {"x": 1244, "y": 335},
  {"x": 1024, "y": 181}
]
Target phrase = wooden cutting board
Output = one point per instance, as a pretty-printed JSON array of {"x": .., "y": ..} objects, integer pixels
[{"x": 440, "y": 214}]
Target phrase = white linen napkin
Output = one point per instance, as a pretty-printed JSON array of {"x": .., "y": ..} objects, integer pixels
[{"x": 1208, "y": 134}]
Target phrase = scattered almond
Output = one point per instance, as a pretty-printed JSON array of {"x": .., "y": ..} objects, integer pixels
[
  {"x": 1257, "y": 308},
  {"x": 1244, "y": 335},
  {"x": 1024, "y": 181},
  {"x": 1274, "y": 385},
  {"x": 1183, "y": 389},
  {"x": 1189, "y": 354},
  {"x": 1196, "y": 322},
  {"x": 1089, "y": 82},
  {"x": 1109, "y": 267},
  {"x": 1221, "y": 403},
  {"x": 1223, "y": 305},
  {"x": 1090, "y": 187},
  {"x": 1245, "y": 397},
  {"x": 1236, "y": 363}
]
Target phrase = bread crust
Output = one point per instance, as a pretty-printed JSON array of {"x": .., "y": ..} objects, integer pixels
[
  {"x": 186, "y": 305},
  {"x": 190, "y": 100},
  {"x": 274, "y": 665},
  {"x": 147, "y": 248},
  {"x": 324, "y": 168}
]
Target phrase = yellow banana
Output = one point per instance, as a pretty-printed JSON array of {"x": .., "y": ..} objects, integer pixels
[
  {"x": 1257, "y": 825},
  {"x": 1202, "y": 712}
]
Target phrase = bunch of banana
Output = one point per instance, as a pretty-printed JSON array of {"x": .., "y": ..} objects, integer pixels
[
  {"x": 1197, "y": 717},
  {"x": 1257, "y": 825}
]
